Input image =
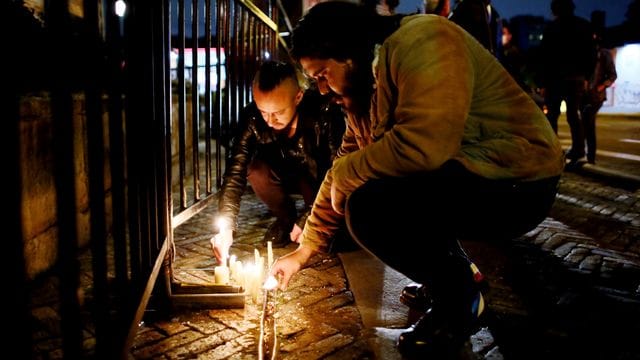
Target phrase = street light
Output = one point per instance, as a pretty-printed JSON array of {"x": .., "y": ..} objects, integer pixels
[{"x": 121, "y": 7}]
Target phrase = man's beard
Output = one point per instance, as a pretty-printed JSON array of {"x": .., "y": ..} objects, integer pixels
[{"x": 359, "y": 91}]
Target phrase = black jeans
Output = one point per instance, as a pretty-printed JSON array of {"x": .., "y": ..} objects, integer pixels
[
  {"x": 413, "y": 223},
  {"x": 589, "y": 114},
  {"x": 275, "y": 186},
  {"x": 572, "y": 92}
]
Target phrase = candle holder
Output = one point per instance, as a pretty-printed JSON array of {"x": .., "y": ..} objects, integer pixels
[{"x": 208, "y": 295}]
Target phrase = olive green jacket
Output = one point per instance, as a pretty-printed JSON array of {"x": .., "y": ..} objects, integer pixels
[{"x": 439, "y": 96}]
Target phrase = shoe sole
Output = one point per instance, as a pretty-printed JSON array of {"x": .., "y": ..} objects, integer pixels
[{"x": 415, "y": 305}]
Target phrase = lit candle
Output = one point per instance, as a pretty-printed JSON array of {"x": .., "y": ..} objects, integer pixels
[
  {"x": 269, "y": 254},
  {"x": 238, "y": 273},
  {"x": 232, "y": 266},
  {"x": 221, "y": 275},
  {"x": 252, "y": 284}
]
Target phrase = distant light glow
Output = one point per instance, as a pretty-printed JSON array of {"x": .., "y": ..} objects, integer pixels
[
  {"x": 121, "y": 8},
  {"x": 267, "y": 55}
]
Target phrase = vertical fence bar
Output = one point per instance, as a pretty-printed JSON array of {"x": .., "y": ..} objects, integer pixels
[
  {"x": 182, "y": 116},
  {"x": 221, "y": 33},
  {"x": 117, "y": 151},
  {"x": 207, "y": 97},
  {"x": 64, "y": 174},
  {"x": 20, "y": 336},
  {"x": 195, "y": 100},
  {"x": 147, "y": 166},
  {"x": 95, "y": 137}
]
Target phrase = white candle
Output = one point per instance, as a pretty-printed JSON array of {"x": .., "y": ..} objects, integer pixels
[
  {"x": 269, "y": 254},
  {"x": 251, "y": 283},
  {"x": 246, "y": 284},
  {"x": 221, "y": 275},
  {"x": 232, "y": 266},
  {"x": 238, "y": 273}
]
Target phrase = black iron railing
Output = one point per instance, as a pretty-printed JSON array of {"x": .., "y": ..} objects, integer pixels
[{"x": 140, "y": 109}]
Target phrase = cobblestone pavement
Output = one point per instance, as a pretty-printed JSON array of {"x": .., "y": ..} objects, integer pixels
[
  {"x": 568, "y": 289},
  {"x": 571, "y": 287},
  {"x": 316, "y": 316}
]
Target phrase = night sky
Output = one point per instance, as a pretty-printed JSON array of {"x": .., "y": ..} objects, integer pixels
[{"x": 615, "y": 9}]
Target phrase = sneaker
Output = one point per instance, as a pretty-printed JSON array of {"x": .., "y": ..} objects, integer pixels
[{"x": 277, "y": 234}]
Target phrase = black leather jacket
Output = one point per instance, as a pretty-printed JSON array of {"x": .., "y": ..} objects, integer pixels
[{"x": 313, "y": 147}]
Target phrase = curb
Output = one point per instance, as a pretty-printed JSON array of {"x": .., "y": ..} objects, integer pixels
[{"x": 633, "y": 180}]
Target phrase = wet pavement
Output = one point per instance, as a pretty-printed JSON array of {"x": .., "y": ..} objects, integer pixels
[{"x": 569, "y": 289}]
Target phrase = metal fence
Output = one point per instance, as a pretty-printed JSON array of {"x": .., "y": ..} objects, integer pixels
[{"x": 161, "y": 89}]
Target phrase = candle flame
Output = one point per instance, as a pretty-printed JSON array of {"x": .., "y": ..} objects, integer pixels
[
  {"x": 223, "y": 224},
  {"x": 270, "y": 283}
]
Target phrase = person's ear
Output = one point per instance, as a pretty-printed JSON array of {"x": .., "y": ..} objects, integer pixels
[{"x": 299, "y": 96}]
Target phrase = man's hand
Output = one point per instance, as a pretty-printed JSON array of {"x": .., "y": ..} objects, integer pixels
[
  {"x": 221, "y": 244},
  {"x": 295, "y": 233},
  {"x": 290, "y": 264}
]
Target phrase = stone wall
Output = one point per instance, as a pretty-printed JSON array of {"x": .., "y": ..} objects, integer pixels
[{"x": 39, "y": 198}]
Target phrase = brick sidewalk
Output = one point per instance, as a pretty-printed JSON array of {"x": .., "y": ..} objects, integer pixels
[
  {"x": 575, "y": 285},
  {"x": 316, "y": 315}
]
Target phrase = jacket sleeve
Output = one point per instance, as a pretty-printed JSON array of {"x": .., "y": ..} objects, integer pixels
[
  {"x": 235, "y": 177},
  {"x": 351, "y": 140},
  {"x": 423, "y": 99},
  {"x": 322, "y": 221}
]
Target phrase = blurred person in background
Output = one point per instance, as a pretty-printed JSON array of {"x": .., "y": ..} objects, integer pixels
[
  {"x": 516, "y": 63},
  {"x": 481, "y": 20},
  {"x": 603, "y": 77},
  {"x": 382, "y": 7},
  {"x": 568, "y": 54},
  {"x": 437, "y": 7}
]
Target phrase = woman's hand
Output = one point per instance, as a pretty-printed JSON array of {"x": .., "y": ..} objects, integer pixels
[{"x": 290, "y": 264}]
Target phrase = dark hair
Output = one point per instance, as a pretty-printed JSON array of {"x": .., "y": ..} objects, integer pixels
[
  {"x": 271, "y": 73},
  {"x": 340, "y": 30}
]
